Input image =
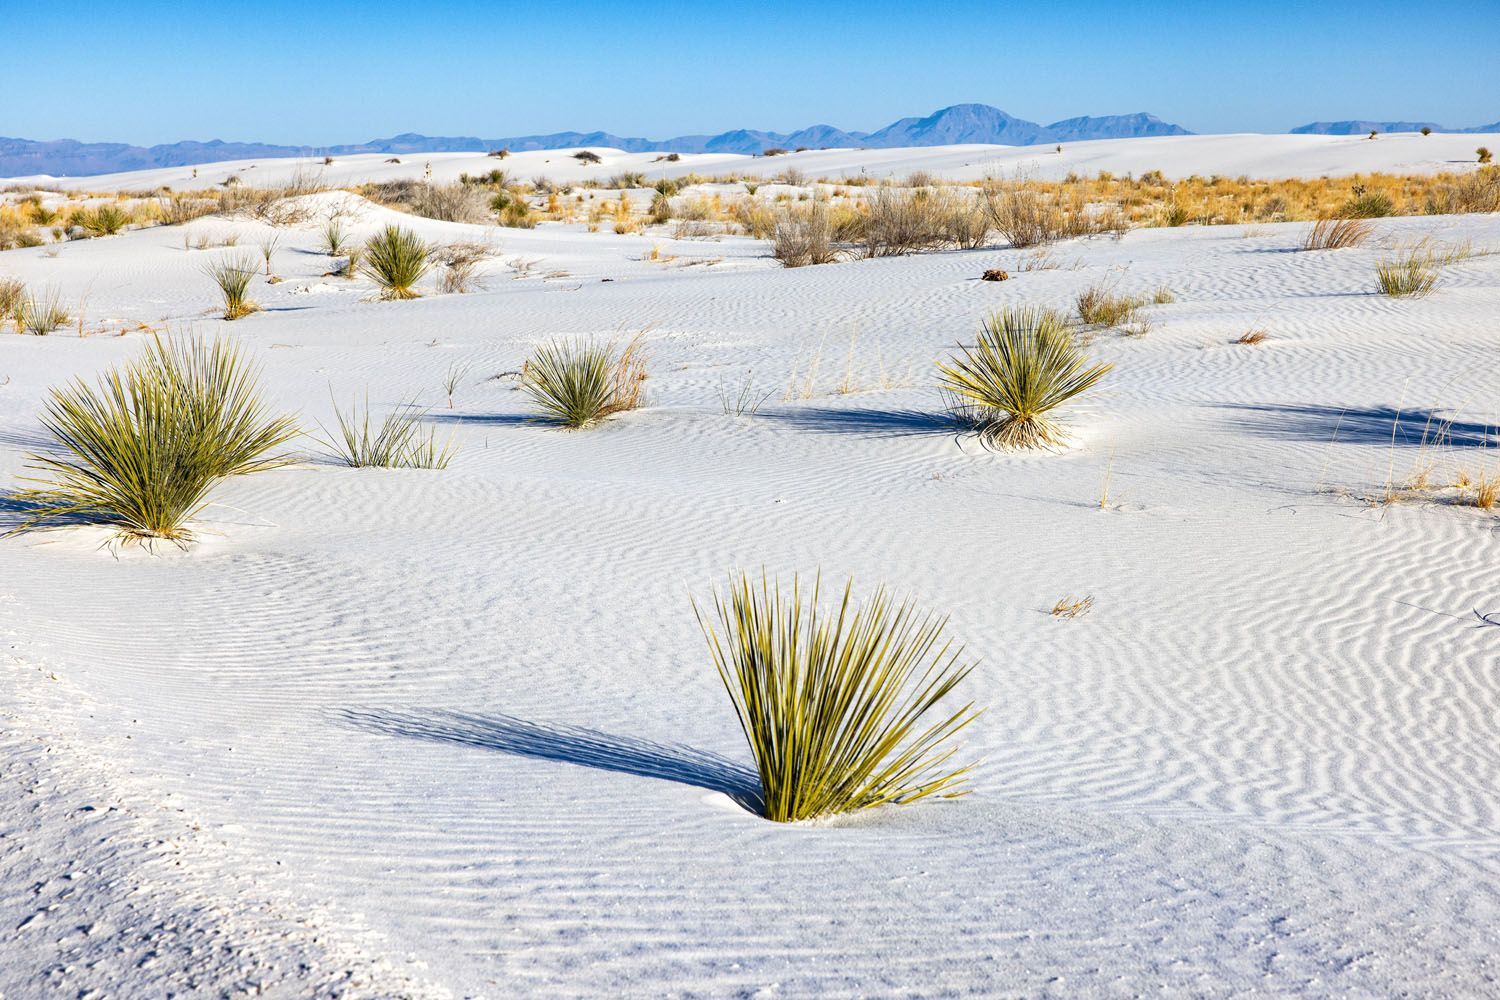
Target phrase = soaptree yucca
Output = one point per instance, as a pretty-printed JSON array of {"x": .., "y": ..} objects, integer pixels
[
  {"x": 578, "y": 383},
  {"x": 396, "y": 259},
  {"x": 141, "y": 450},
  {"x": 395, "y": 442},
  {"x": 233, "y": 275},
  {"x": 1024, "y": 365},
  {"x": 832, "y": 699}
]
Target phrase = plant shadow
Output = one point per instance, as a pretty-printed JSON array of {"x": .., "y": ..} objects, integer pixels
[
  {"x": 568, "y": 745},
  {"x": 1410, "y": 427},
  {"x": 877, "y": 423}
]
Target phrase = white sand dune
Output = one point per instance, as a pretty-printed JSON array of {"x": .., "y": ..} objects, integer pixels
[{"x": 458, "y": 732}]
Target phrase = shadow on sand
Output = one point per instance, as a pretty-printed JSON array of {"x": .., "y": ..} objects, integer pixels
[
  {"x": 1411, "y": 427},
  {"x": 567, "y": 745},
  {"x": 877, "y": 423}
]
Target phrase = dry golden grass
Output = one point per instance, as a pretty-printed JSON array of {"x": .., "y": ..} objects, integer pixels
[
  {"x": 1336, "y": 234},
  {"x": 1251, "y": 337},
  {"x": 1072, "y": 607}
]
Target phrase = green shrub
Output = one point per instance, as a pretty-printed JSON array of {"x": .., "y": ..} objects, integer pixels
[
  {"x": 1411, "y": 276},
  {"x": 397, "y": 442},
  {"x": 106, "y": 220},
  {"x": 396, "y": 259},
  {"x": 578, "y": 383},
  {"x": 142, "y": 450},
  {"x": 233, "y": 275},
  {"x": 832, "y": 700},
  {"x": 1023, "y": 367}
]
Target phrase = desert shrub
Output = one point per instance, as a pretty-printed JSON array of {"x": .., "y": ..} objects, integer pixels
[
  {"x": 396, "y": 442},
  {"x": 773, "y": 151},
  {"x": 395, "y": 259},
  {"x": 803, "y": 235},
  {"x": 661, "y": 209},
  {"x": 449, "y": 203},
  {"x": 459, "y": 262},
  {"x": 105, "y": 220},
  {"x": 758, "y": 219},
  {"x": 40, "y": 313},
  {"x": 907, "y": 221},
  {"x": 1336, "y": 234},
  {"x": 142, "y": 450},
  {"x": 792, "y": 177},
  {"x": 335, "y": 237},
  {"x": 1024, "y": 365},
  {"x": 12, "y": 294},
  {"x": 587, "y": 156},
  {"x": 578, "y": 383},
  {"x": 626, "y": 180},
  {"x": 1484, "y": 154},
  {"x": 1368, "y": 205},
  {"x": 1476, "y": 192},
  {"x": 233, "y": 275},
  {"x": 832, "y": 698},
  {"x": 176, "y": 209},
  {"x": 1025, "y": 215},
  {"x": 1411, "y": 275},
  {"x": 1100, "y": 306}
]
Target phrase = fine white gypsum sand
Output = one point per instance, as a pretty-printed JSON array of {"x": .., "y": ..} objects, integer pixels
[{"x": 424, "y": 733}]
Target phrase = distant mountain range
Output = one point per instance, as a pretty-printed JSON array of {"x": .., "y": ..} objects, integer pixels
[
  {"x": 961, "y": 123},
  {"x": 1365, "y": 128}
]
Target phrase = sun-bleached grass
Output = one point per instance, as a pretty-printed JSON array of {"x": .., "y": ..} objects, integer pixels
[
  {"x": 578, "y": 383},
  {"x": 41, "y": 312},
  {"x": 1337, "y": 234},
  {"x": 1099, "y": 305},
  {"x": 834, "y": 698},
  {"x": 804, "y": 235},
  {"x": 460, "y": 263},
  {"x": 1251, "y": 337},
  {"x": 1411, "y": 275},
  {"x": 1024, "y": 365},
  {"x": 397, "y": 441},
  {"x": 396, "y": 259},
  {"x": 141, "y": 450},
  {"x": 104, "y": 220},
  {"x": 233, "y": 274},
  {"x": 1028, "y": 213},
  {"x": 12, "y": 294},
  {"x": 1072, "y": 607}
]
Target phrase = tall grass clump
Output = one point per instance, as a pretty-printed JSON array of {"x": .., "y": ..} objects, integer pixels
[
  {"x": 1027, "y": 214},
  {"x": 832, "y": 699},
  {"x": 396, "y": 259},
  {"x": 1336, "y": 234},
  {"x": 106, "y": 220},
  {"x": 12, "y": 294},
  {"x": 450, "y": 203},
  {"x": 1099, "y": 306},
  {"x": 233, "y": 275},
  {"x": 804, "y": 235},
  {"x": 1410, "y": 276},
  {"x": 396, "y": 442},
  {"x": 578, "y": 383},
  {"x": 40, "y": 313},
  {"x": 141, "y": 450},
  {"x": 1024, "y": 366}
]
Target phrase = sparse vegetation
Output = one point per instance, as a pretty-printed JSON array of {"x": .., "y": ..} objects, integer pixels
[
  {"x": 1484, "y": 154},
  {"x": 1100, "y": 306},
  {"x": 1024, "y": 366},
  {"x": 335, "y": 237},
  {"x": 587, "y": 156},
  {"x": 1411, "y": 275},
  {"x": 832, "y": 700},
  {"x": 1073, "y": 607},
  {"x": 40, "y": 313},
  {"x": 396, "y": 259},
  {"x": 1251, "y": 337},
  {"x": 459, "y": 262},
  {"x": 233, "y": 274},
  {"x": 804, "y": 235},
  {"x": 1336, "y": 234},
  {"x": 396, "y": 442},
  {"x": 580, "y": 382},
  {"x": 105, "y": 220}
]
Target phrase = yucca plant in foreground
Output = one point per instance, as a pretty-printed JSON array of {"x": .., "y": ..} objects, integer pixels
[
  {"x": 578, "y": 383},
  {"x": 233, "y": 275},
  {"x": 396, "y": 259},
  {"x": 832, "y": 700},
  {"x": 1024, "y": 365},
  {"x": 142, "y": 449},
  {"x": 397, "y": 442}
]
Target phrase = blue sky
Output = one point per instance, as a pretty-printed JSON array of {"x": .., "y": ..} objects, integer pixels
[{"x": 324, "y": 73}]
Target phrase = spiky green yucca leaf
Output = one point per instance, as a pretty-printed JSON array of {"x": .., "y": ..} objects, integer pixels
[
  {"x": 395, "y": 443},
  {"x": 832, "y": 702},
  {"x": 578, "y": 383},
  {"x": 233, "y": 275},
  {"x": 396, "y": 259},
  {"x": 142, "y": 449},
  {"x": 1023, "y": 366}
]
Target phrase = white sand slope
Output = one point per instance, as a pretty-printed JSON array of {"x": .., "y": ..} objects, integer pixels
[
  {"x": 464, "y": 724},
  {"x": 1249, "y": 154}
]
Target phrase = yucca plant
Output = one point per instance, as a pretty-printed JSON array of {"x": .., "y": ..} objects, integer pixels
[
  {"x": 233, "y": 275},
  {"x": 396, "y": 442},
  {"x": 1024, "y": 365},
  {"x": 578, "y": 383},
  {"x": 106, "y": 220},
  {"x": 40, "y": 313},
  {"x": 335, "y": 238},
  {"x": 1411, "y": 276},
  {"x": 832, "y": 699},
  {"x": 142, "y": 450},
  {"x": 396, "y": 259}
]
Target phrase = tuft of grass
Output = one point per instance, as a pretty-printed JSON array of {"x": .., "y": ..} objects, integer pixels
[
  {"x": 1163, "y": 296},
  {"x": 1099, "y": 306},
  {"x": 744, "y": 399},
  {"x": 40, "y": 313},
  {"x": 1336, "y": 234},
  {"x": 396, "y": 259},
  {"x": 142, "y": 450},
  {"x": 233, "y": 275},
  {"x": 1251, "y": 337},
  {"x": 1024, "y": 366},
  {"x": 832, "y": 699},
  {"x": 1410, "y": 276},
  {"x": 579, "y": 383},
  {"x": 12, "y": 294},
  {"x": 335, "y": 237},
  {"x": 453, "y": 379},
  {"x": 396, "y": 442},
  {"x": 1072, "y": 607}
]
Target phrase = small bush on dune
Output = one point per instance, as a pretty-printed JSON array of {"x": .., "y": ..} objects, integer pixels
[
  {"x": 1484, "y": 154},
  {"x": 804, "y": 235},
  {"x": 174, "y": 210},
  {"x": 587, "y": 156},
  {"x": 1368, "y": 205},
  {"x": 1099, "y": 306},
  {"x": 233, "y": 275},
  {"x": 1023, "y": 367},
  {"x": 12, "y": 294},
  {"x": 1026, "y": 216},
  {"x": 397, "y": 442},
  {"x": 142, "y": 450},
  {"x": 459, "y": 262},
  {"x": 834, "y": 701},
  {"x": 908, "y": 221},
  {"x": 396, "y": 259},
  {"x": 40, "y": 313},
  {"x": 1478, "y": 192},
  {"x": 1336, "y": 234},
  {"x": 578, "y": 383},
  {"x": 1411, "y": 276},
  {"x": 450, "y": 203},
  {"x": 106, "y": 220}
]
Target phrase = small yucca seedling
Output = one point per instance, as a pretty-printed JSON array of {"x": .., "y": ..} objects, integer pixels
[
  {"x": 1412, "y": 276},
  {"x": 832, "y": 700},
  {"x": 396, "y": 442},
  {"x": 335, "y": 238},
  {"x": 578, "y": 383},
  {"x": 142, "y": 450},
  {"x": 40, "y": 313},
  {"x": 396, "y": 259},
  {"x": 233, "y": 275},
  {"x": 1023, "y": 367}
]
